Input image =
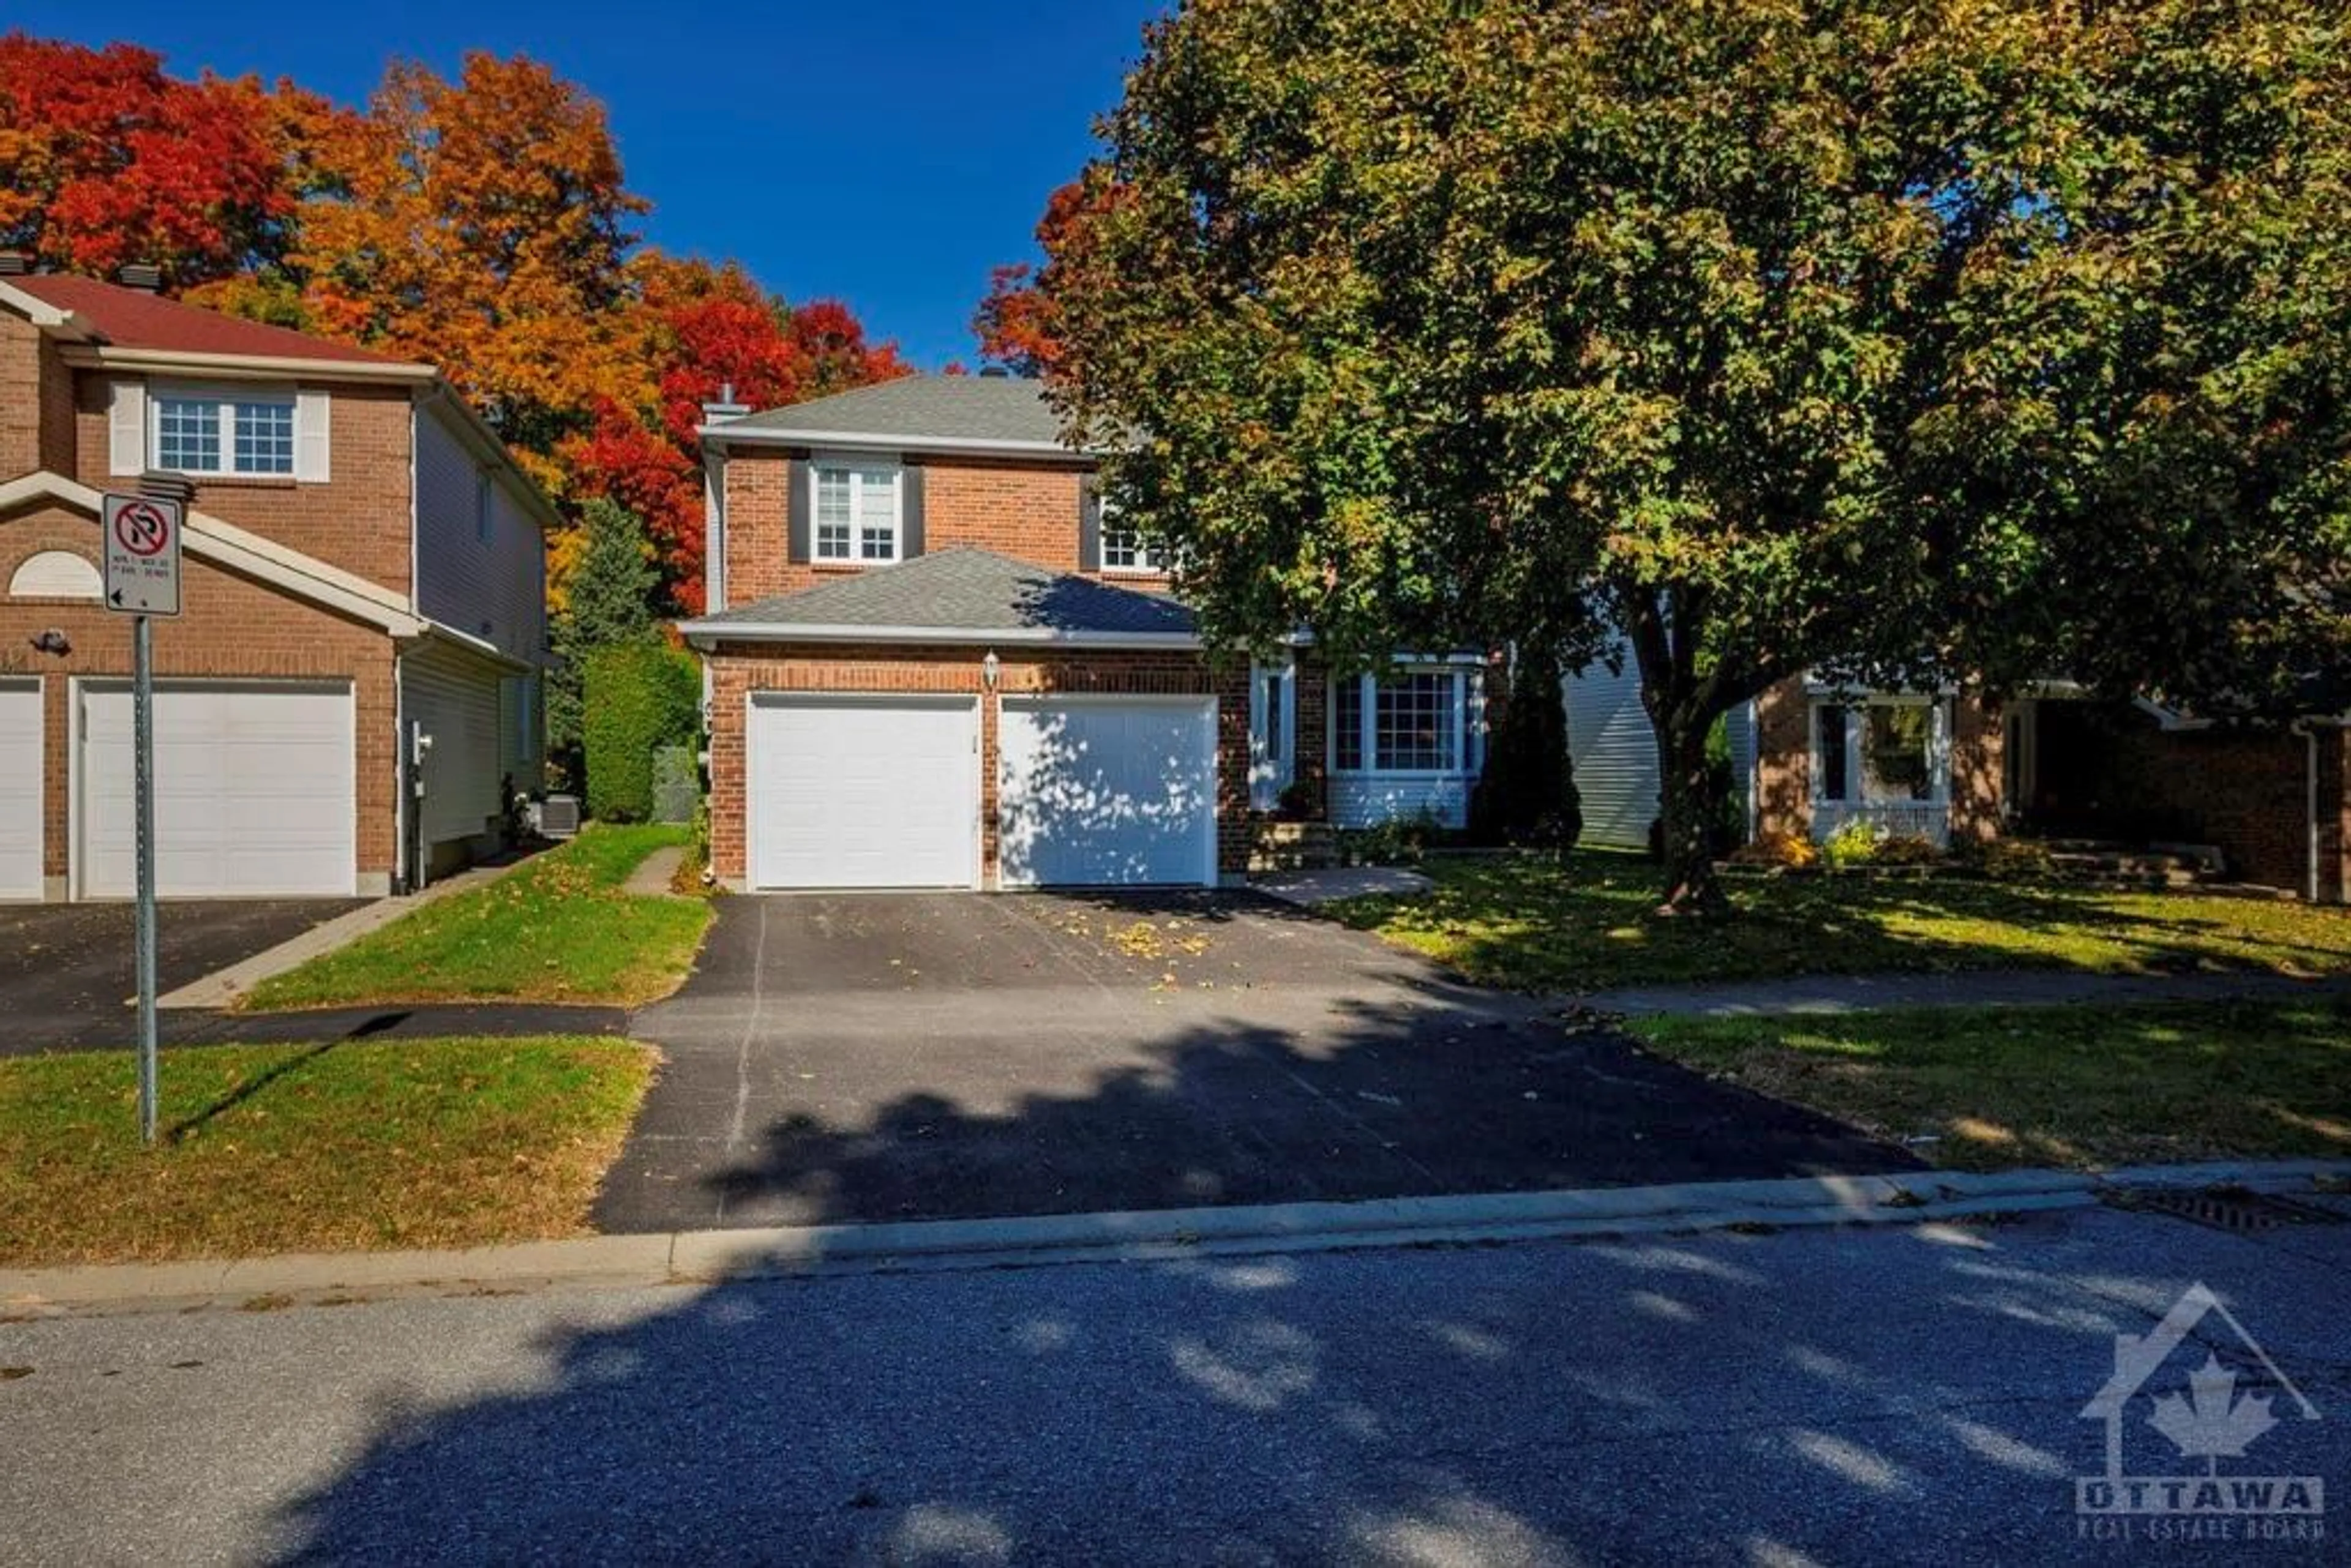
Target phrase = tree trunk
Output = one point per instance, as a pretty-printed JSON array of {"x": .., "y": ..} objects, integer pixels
[
  {"x": 1691, "y": 809},
  {"x": 1665, "y": 630}
]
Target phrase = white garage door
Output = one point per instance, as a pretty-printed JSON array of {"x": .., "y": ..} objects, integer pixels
[
  {"x": 253, "y": 791},
  {"x": 864, "y": 792},
  {"x": 20, "y": 790},
  {"x": 1107, "y": 791}
]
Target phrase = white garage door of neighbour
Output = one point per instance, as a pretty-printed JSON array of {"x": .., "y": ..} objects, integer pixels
[
  {"x": 20, "y": 790},
  {"x": 864, "y": 792},
  {"x": 1095, "y": 792},
  {"x": 253, "y": 791}
]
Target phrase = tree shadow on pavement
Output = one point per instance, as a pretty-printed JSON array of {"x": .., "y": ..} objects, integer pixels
[
  {"x": 1733, "y": 1399},
  {"x": 1381, "y": 1101}
]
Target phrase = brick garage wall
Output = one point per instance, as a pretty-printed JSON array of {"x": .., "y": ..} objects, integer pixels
[
  {"x": 739, "y": 670},
  {"x": 231, "y": 627},
  {"x": 358, "y": 520},
  {"x": 1026, "y": 510},
  {"x": 2244, "y": 790}
]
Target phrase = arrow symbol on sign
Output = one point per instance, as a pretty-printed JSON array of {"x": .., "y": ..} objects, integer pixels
[{"x": 115, "y": 597}]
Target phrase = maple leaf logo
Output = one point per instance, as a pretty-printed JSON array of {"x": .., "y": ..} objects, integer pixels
[{"x": 2212, "y": 1421}]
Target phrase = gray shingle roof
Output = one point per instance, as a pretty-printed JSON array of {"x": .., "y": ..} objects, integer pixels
[
  {"x": 958, "y": 408},
  {"x": 966, "y": 590}
]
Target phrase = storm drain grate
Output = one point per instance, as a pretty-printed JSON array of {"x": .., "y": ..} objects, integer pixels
[{"x": 2229, "y": 1210}]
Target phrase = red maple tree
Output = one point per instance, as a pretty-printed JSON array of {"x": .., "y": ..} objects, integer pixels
[{"x": 105, "y": 161}]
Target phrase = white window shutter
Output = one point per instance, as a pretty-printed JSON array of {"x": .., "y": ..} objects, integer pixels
[
  {"x": 126, "y": 428},
  {"x": 310, "y": 442}
]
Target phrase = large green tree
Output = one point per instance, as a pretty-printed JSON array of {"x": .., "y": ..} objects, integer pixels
[{"x": 2001, "y": 338}]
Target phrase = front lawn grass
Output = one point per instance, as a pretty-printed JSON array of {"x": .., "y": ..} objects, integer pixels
[
  {"x": 1528, "y": 923},
  {"x": 2079, "y": 1087},
  {"x": 557, "y": 928},
  {"x": 383, "y": 1144}
]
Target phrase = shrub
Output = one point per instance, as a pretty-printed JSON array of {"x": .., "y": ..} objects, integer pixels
[
  {"x": 1399, "y": 840},
  {"x": 1300, "y": 802},
  {"x": 1777, "y": 850},
  {"x": 1906, "y": 849},
  {"x": 639, "y": 697},
  {"x": 1854, "y": 844},
  {"x": 1527, "y": 794},
  {"x": 2009, "y": 859}
]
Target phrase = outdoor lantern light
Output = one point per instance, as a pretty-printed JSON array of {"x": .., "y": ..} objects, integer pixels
[
  {"x": 52, "y": 641},
  {"x": 990, "y": 668}
]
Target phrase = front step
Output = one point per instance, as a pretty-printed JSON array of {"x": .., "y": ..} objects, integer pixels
[
  {"x": 1293, "y": 846},
  {"x": 2116, "y": 865}
]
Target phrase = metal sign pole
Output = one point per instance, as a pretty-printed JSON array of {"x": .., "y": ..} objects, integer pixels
[
  {"x": 142, "y": 580},
  {"x": 142, "y": 743}
]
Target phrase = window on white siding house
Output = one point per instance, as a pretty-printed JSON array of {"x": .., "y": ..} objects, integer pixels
[
  {"x": 210, "y": 432},
  {"x": 1123, "y": 549},
  {"x": 1408, "y": 723},
  {"x": 484, "y": 493},
  {"x": 857, "y": 516}
]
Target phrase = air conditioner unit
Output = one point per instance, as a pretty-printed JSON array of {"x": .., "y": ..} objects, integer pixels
[{"x": 559, "y": 817}]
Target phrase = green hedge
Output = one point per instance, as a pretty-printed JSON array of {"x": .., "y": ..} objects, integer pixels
[{"x": 636, "y": 698}]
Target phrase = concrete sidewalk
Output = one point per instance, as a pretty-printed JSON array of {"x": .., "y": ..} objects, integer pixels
[{"x": 1832, "y": 993}]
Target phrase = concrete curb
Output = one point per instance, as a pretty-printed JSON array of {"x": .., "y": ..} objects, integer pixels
[
  {"x": 711, "y": 1255},
  {"x": 222, "y": 987}
]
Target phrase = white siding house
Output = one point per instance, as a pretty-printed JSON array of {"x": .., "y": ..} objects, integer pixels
[
  {"x": 472, "y": 703},
  {"x": 1613, "y": 751}
]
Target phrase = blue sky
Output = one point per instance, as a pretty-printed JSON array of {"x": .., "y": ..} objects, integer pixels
[{"x": 885, "y": 152}]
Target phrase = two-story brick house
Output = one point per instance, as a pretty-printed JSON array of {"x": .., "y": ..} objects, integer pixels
[
  {"x": 357, "y": 664},
  {"x": 934, "y": 661}
]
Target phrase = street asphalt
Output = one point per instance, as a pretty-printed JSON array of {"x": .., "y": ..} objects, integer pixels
[
  {"x": 1888, "y": 1395},
  {"x": 942, "y": 1056}
]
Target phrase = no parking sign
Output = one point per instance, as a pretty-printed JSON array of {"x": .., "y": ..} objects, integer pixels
[{"x": 142, "y": 554}]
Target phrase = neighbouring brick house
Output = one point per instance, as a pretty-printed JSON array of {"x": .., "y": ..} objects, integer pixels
[
  {"x": 357, "y": 663},
  {"x": 932, "y": 661},
  {"x": 2276, "y": 802}
]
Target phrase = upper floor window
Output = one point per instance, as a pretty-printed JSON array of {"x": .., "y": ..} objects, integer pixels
[
  {"x": 1123, "y": 549},
  {"x": 857, "y": 512},
  {"x": 240, "y": 433}
]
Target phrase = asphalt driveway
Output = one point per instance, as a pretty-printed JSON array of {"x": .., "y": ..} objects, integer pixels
[
  {"x": 65, "y": 968},
  {"x": 946, "y": 1056}
]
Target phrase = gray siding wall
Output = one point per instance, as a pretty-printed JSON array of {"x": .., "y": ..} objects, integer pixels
[
  {"x": 494, "y": 588},
  {"x": 457, "y": 699}
]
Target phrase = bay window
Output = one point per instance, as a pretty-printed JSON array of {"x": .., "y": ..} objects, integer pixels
[
  {"x": 1884, "y": 760},
  {"x": 1413, "y": 721}
]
